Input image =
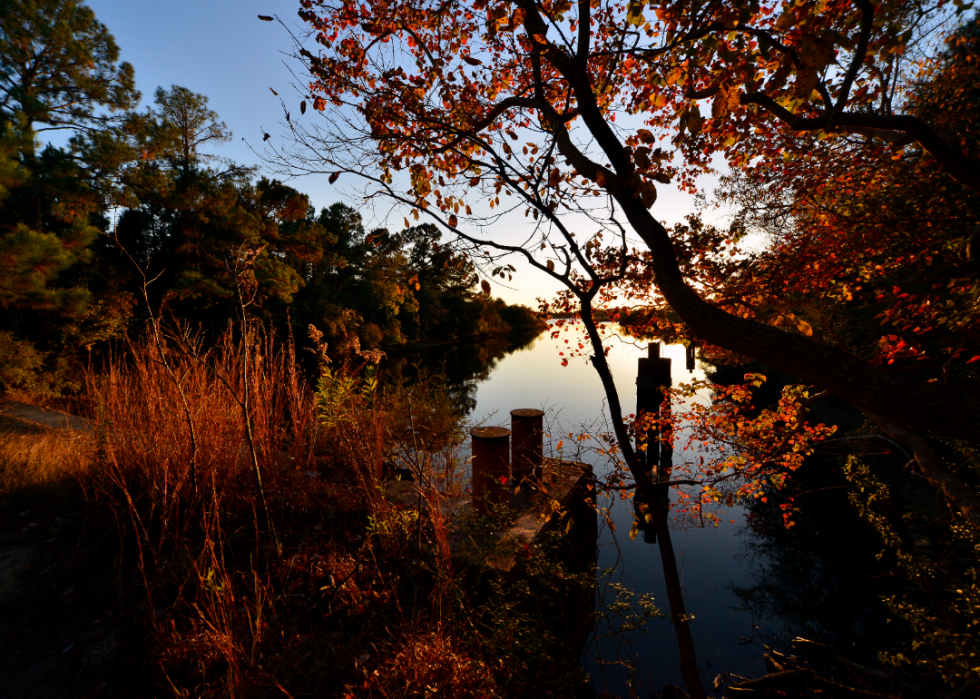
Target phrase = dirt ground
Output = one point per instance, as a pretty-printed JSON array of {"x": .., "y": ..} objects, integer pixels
[{"x": 61, "y": 631}]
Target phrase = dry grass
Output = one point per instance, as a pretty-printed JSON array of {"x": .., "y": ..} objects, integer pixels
[
  {"x": 430, "y": 664},
  {"x": 204, "y": 454},
  {"x": 228, "y": 588},
  {"x": 268, "y": 558},
  {"x": 33, "y": 457}
]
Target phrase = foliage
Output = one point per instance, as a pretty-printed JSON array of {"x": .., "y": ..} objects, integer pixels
[
  {"x": 59, "y": 67},
  {"x": 840, "y": 256},
  {"x": 938, "y": 553},
  {"x": 335, "y": 392},
  {"x": 738, "y": 452},
  {"x": 186, "y": 219},
  {"x": 471, "y": 114}
]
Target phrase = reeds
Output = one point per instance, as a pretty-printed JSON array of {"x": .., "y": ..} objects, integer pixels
[
  {"x": 32, "y": 457},
  {"x": 201, "y": 452},
  {"x": 221, "y": 467}
]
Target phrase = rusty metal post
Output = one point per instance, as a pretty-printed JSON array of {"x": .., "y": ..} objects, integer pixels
[
  {"x": 491, "y": 467},
  {"x": 527, "y": 426}
]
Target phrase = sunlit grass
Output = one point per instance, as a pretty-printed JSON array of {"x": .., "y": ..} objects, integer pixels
[{"x": 33, "y": 457}]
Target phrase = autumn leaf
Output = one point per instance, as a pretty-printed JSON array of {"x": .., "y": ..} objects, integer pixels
[
  {"x": 485, "y": 285},
  {"x": 333, "y": 177},
  {"x": 694, "y": 120},
  {"x": 634, "y": 14},
  {"x": 719, "y": 106},
  {"x": 452, "y": 221},
  {"x": 648, "y": 193},
  {"x": 642, "y": 158},
  {"x": 266, "y": 18},
  {"x": 302, "y": 107}
]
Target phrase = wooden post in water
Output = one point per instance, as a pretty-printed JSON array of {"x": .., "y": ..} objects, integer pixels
[
  {"x": 653, "y": 373},
  {"x": 527, "y": 426},
  {"x": 690, "y": 356},
  {"x": 491, "y": 467}
]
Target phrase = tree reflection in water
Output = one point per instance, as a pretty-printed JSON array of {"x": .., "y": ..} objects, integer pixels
[
  {"x": 820, "y": 578},
  {"x": 463, "y": 365}
]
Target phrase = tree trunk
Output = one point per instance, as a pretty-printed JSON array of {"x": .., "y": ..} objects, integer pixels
[{"x": 951, "y": 410}]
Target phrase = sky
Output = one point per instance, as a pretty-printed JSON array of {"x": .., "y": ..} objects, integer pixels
[{"x": 220, "y": 49}]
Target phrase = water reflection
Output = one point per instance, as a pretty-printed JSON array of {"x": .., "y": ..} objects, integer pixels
[
  {"x": 653, "y": 379},
  {"x": 819, "y": 579},
  {"x": 752, "y": 579},
  {"x": 463, "y": 365}
]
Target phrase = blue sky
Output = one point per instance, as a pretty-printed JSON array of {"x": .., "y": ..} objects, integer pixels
[{"x": 219, "y": 48}]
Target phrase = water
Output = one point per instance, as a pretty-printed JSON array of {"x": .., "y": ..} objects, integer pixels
[{"x": 725, "y": 571}]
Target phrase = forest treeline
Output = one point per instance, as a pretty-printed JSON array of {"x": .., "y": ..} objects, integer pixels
[{"x": 136, "y": 214}]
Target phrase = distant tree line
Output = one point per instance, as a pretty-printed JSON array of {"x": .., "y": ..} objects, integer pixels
[{"x": 135, "y": 214}]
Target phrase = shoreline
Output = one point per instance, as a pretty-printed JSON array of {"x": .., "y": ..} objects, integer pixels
[{"x": 409, "y": 347}]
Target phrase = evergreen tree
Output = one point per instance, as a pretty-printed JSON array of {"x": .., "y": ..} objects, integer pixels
[
  {"x": 59, "y": 70},
  {"x": 59, "y": 67}
]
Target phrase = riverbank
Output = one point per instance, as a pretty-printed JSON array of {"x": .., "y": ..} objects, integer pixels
[{"x": 150, "y": 561}]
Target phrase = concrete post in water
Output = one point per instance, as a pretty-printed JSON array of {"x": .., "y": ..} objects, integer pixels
[
  {"x": 527, "y": 426},
  {"x": 690, "y": 356},
  {"x": 491, "y": 467}
]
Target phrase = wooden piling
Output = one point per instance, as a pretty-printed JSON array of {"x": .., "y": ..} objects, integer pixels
[
  {"x": 689, "y": 356},
  {"x": 491, "y": 467},
  {"x": 652, "y": 375},
  {"x": 527, "y": 444}
]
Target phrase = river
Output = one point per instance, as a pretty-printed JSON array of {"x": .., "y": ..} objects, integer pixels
[{"x": 731, "y": 580}]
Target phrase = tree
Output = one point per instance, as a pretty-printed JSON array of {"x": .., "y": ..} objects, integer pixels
[
  {"x": 446, "y": 94},
  {"x": 193, "y": 124},
  {"x": 555, "y": 104},
  {"x": 58, "y": 70},
  {"x": 190, "y": 226},
  {"x": 59, "y": 67}
]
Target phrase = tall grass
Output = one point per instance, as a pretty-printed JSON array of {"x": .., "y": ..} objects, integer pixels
[
  {"x": 194, "y": 478},
  {"x": 198, "y": 475},
  {"x": 259, "y": 546},
  {"x": 32, "y": 457}
]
